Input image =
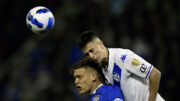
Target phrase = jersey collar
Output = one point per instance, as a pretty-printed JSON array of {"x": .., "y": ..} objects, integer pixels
[{"x": 97, "y": 88}]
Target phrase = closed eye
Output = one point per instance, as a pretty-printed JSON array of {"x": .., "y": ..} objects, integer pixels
[
  {"x": 91, "y": 50},
  {"x": 78, "y": 76},
  {"x": 87, "y": 53}
]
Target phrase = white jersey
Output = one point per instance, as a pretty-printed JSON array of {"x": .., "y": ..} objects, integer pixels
[{"x": 131, "y": 73}]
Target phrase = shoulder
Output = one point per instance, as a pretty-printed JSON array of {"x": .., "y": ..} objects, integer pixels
[
  {"x": 120, "y": 51},
  {"x": 116, "y": 54},
  {"x": 111, "y": 91}
]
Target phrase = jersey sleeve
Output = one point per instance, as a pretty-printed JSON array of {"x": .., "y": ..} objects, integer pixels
[{"x": 138, "y": 66}]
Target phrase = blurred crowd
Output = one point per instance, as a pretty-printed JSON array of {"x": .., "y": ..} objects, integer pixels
[{"x": 36, "y": 67}]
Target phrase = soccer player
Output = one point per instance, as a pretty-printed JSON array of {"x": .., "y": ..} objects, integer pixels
[
  {"x": 138, "y": 79},
  {"x": 88, "y": 80}
]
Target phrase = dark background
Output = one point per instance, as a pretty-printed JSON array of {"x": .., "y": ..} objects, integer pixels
[{"x": 36, "y": 67}]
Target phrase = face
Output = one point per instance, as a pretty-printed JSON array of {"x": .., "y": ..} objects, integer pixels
[
  {"x": 95, "y": 51},
  {"x": 83, "y": 80}
]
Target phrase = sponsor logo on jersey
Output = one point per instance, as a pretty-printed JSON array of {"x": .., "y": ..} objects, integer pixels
[
  {"x": 116, "y": 77},
  {"x": 96, "y": 98},
  {"x": 123, "y": 58},
  {"x": 135, "y": 62},
  {"x": 143, "y": 68}
]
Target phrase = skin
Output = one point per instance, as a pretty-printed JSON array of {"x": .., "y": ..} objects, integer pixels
[
  {"x": 97, "y": 51},
  {"x": 86, "y": 80},
  {"x": 154, "y": 79}
]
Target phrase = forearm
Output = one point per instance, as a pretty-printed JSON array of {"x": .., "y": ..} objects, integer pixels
[{"x": 154, "y": 80}]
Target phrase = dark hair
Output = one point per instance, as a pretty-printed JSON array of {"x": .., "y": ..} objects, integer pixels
[
  {"x": 86, "y": 37},
  {"x": 85, "y": 63},
  {"x": 89, "y": 63}
]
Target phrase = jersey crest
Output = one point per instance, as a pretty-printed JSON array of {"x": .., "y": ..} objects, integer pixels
[
  {"x": 116, "y": 77},
  {"x": 96, "y": 98}
]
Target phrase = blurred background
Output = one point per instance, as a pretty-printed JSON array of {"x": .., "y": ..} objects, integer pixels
[{"x": 36, "y": 67}]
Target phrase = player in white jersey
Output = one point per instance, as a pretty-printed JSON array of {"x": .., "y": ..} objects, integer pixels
[{"x": 138, "y": 79}]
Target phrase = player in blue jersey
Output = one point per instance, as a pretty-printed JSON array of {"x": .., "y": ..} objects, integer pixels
[
  {"x": 138, "y": 79},
  {"x": 88, "y": 80}
]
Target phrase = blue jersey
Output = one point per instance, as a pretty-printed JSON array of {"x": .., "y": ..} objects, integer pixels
[{"x": 107, "y": 93}]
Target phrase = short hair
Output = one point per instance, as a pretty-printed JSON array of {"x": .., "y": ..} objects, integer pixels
[
  {"x": 89, "y": 63},
  {"x": 85, "y": 63},
  {"x": 86, "y": 37}
]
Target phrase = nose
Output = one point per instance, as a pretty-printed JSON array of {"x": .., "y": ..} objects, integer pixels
[{"x": 76, "y": 81}]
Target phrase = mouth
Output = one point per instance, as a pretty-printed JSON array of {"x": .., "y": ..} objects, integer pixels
[
  {"x": 97, "y": 60},
  {"x": 78, "y": 87}
]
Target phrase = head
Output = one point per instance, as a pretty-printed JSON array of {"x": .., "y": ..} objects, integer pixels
[
  {"x": 92, "y": 46},
  {"x": 86, "y": 76}
]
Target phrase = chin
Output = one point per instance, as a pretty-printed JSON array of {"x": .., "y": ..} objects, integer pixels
[
  {"x": 99, "y": 61},
  {"x": 81, "y": 92}
]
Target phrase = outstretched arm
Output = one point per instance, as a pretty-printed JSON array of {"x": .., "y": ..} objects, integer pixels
[{"x": 154, "y": 80}]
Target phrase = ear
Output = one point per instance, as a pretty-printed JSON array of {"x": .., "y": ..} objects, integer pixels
[
  {"x": 101, "y": 44},
  {"x": 93, "y": 77}
]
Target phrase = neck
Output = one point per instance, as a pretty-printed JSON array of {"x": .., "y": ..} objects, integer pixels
[
  {"x": 104, "y": 62},
  {"x": 95, "y": 87},
  {"x": 107, "y": 60},
  {"x": 106, "y": 53}
]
